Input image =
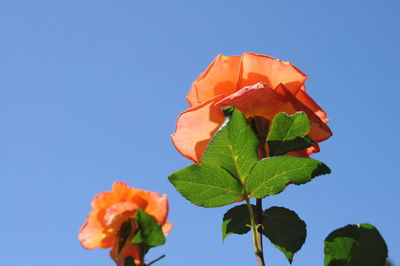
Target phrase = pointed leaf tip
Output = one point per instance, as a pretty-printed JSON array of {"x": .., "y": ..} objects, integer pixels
[
  {"x": 270, "y": 176},
  {"x": 233, "y": 147},
  {"x": 149, "y": 232},
  {"x": 285, "y": 230},
  {"x": 289, "y": 133}
]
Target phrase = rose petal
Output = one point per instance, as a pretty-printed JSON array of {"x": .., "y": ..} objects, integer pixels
[
  {"x": 112, "y": 208},
  {"x": 196, "y": 126},
  {"x": 305, "y": 153},
  {"x": 261, "y": 68},
  {"x": 258, "y": 100},
  {"x": 117, "y": 210},
  {"x": 120, "y": 192},
  {"x": 262, "y": 100},
  {"x": 166, "y": 228},
  {"x": 303, "y": 97},
  {"x": 90, "y": 234},
  {"x": 158, "y": 207},
  {"x": 220, "y": 78},
  {"x": 319, "y": 130}
]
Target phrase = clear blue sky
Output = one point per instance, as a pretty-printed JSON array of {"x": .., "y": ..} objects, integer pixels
[{"x": 90, "y": 91}]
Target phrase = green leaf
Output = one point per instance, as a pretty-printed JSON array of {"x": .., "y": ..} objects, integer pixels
[
  {"x": 149, "y": 232},
  {"x": 355, "y": 245},
  {"x": 233, "y": 147},
  {"x": 285, "y": 230},
  {"x": 138, "y": 238},
  {"x": 236, "y": 221},
  {"x": 288, "y": 133},
  {"x": 207, "y": 186},
  {"x": 271, "y": 175}
]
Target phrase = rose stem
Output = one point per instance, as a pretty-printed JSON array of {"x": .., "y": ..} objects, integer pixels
[
  {"x": 260, "y": 126},
  {"x": 154, "y": 261},
  {"x": 256, "y": 237},
  {"x": 258, "y": 220}
]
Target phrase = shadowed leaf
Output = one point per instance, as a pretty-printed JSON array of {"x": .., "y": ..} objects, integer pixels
[
  {"x": 123, "y": 234},
  {"x": 285, "y": 230},
  {"x": 236, "y": 221},
  {"x": 355, "y": 245}
]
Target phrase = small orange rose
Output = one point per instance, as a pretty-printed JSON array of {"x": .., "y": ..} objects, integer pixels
[
  {"x": 111, "y": 210},
  {"x": 257, "y": 85}
]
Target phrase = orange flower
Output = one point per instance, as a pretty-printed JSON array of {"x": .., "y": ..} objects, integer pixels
[
  {"x": 257, "y": 85},
  {"x": 111, "y": 210}
]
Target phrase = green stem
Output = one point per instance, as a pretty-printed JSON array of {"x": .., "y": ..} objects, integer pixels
[
  {"x": 256, "y": 238},
  {"x": 260, "y": 126}
]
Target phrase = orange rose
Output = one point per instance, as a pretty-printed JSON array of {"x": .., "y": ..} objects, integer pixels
[
  {"x": 111, "y": 210},
  {"x": 257, "y": 85}
]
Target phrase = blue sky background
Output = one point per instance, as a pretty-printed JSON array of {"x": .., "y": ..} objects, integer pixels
[{"x": 90, "y": 91}]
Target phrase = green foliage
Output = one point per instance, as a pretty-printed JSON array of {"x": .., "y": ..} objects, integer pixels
[
  {"x": 355, "y": 245},
  {"x": 288, "y": 133},
  {"x": 230, "y": 171},
  {"x": 271, "y": 175},
  {"x": 149, "y": 233},
  {"x": 229, "y": 163},
  {"x": 285, "y": 230},
  {"x": 234, "y": 147},
  {"x": 236, "y": 221},
  {"x": 207, "y": 186}
]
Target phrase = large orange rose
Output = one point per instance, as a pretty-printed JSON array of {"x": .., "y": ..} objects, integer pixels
[
  {"x": 257, "y": 85},
  {"x": 113, "y": 208}
]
